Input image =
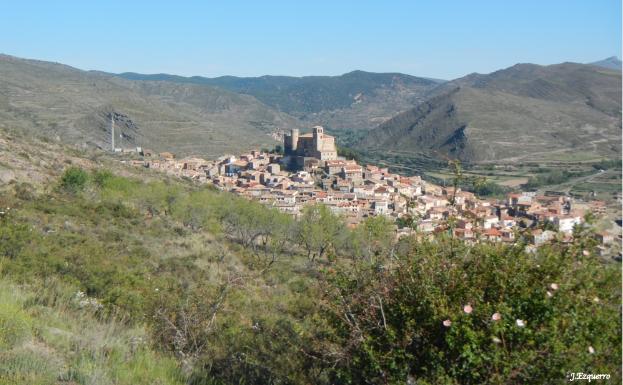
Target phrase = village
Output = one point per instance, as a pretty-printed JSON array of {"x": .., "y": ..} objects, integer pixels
[{"x": 310, "y": 172}]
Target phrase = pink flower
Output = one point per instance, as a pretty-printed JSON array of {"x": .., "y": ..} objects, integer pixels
[
  {"x": 467, "y": 309},
  {"x": 447, "y": 323},
  {"x": 496, "y": 316},
  {"x": 554, "y": 286},
  {"x": 591, "y": 350},
  {"x": 520, "y": 323}
]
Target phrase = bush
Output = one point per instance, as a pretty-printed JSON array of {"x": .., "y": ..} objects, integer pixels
[
  {"x": 74, "y": 180},
  {"x": 101, "y": 177},
  {"x": 450, "y": 313}
]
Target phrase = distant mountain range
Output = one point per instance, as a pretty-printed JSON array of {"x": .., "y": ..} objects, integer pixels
[
  {"x": 525, "y": 112},
  {"x": 522, "y": 112},
  {"x": 75, "y": 106},
  {"x": 356, "y": 100},
  {"x": 613, "y": 63}
]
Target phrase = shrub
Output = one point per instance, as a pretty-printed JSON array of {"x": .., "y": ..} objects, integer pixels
[
  {"x": 74, "y": 180},
  {"x": 101, "y": 177},
  {"x": 451, "y": 313}
]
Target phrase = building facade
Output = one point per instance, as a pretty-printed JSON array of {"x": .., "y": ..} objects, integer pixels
[{"x": 316, "y": 145}]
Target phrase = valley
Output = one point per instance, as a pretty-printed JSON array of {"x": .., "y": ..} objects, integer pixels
[{"x": 311, "y": 193}]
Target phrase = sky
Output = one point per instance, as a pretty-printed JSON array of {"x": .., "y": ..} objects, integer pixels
[{"x": 441, "y": 39}]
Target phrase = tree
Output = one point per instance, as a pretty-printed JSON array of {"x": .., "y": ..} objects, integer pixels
[
  {"x": 318, "y": 230},
  {"x": 376, "y": 236},
  {"x": 278, "y": 233}
]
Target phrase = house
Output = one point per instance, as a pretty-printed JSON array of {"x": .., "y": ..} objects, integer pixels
[
  {"x": 352, "y": 172},
  {"x": 235, "y": 167},
  {"x": 343, "y": 185},
  {"x": 381, "y": 193},
  {"x": 489, "y": 221},
  {"x": 538, "y": 237},
  {"x": 566, "y": 223},
  {"x": 381, "y": 207},
  {"x": 333, "y": 167},
  {"x": 507, "y": 221},
  {"x": 274, "y": 168},
  {"x": 366, "y": 191},
  {"x": 492, "y": 234}
]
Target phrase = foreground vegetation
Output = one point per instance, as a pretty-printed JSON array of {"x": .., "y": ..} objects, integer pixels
[{"x": 112, "y": 280}]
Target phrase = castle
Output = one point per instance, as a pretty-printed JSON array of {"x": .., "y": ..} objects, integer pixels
[{"x": 316, "y": 145}]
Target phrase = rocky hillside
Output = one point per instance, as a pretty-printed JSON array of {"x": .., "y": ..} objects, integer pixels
[
  {"x": 75, "y": 107},
  {"x": 519, "y": 113},
  {"x": 356, "y": 100}
]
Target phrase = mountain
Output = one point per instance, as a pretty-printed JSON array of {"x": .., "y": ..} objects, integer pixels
[
  {"x": 524, "y": 112},
  {"x": 613, "y": 63},
  {"x": 75, "y": 106},
  {"x": 356, "y": 100}
]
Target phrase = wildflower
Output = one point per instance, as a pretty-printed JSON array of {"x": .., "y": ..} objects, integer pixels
[
  {"x": 520, "y": 323},
  {"x": 554, "y": 286},
  {"x": 591, "y": 350},
  {"x": 585, "y": 253},
  {"x": 467, "y": 309},
  {"x": 447, "y": 323},
  {"x": 549, "y": 294},
  {"x": 596, "y": 299},
  {"x": 496, "y": 340},
  {"x": 496, "y": 317}
]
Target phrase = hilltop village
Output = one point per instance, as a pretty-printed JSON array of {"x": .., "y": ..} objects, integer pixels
[{"x": 310, "y": 171}]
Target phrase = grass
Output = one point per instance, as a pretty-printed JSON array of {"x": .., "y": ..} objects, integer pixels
[
  {"x": 48, "y": 338},
  {"x": 138, "y": 247}
]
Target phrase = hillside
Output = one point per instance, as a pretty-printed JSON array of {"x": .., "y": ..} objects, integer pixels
[
  {"x": 355, "y": 100},
  {"x": 75, "y": 106},
  {"x": 112, "y": 274},
  {"x": 525, "y": 112}
]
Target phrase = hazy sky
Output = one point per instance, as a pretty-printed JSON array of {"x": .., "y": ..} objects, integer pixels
[{"x": 434, "y": 38}]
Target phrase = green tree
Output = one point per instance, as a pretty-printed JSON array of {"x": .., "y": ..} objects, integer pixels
[
  {"x": 318, "y": 230},
  {"x": 376, "y": 236}
]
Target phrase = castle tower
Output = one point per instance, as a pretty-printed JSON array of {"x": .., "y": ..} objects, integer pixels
[
  {"x": 294, "y": 135},
  {"x": 318, "y": 133}
]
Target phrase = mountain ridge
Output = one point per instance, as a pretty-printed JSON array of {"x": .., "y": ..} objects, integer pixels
[
  {"x": 354, "y": 100},
  {"x": 75, "y": 106},
  {"x": 564, "y": 107}
]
